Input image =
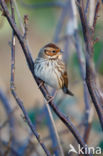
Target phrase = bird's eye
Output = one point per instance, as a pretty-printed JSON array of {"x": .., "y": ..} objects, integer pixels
[{"x": 53, "y": 51}]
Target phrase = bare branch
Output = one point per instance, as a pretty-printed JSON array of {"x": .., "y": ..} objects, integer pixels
[
  {"x": 13, "y": 151},
  {"x": 19, "y": 17},
  {"x": 54, "y": 133},
  {"x": 90, "y": 71},
  {"x": 88, "y": 126},
  {"x": 25, "y": 24},
  {"x": 73, "y": 30},
  {"x": 96, "y": 14},
  {"x": 9, "y": 116},
  {"x": 18, "y": 100},
  {"x": 7, "y": 107},
  {"x": 6, "y": 103}
]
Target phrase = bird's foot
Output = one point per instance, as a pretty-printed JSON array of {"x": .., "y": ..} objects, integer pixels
[
  {"x": 41, "y": 84},
  {"x": 50, "y": 99}
]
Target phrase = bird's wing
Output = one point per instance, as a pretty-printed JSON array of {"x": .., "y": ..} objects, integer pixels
[
  {"x": 64, "y": 75},
  {"x": 65, "y": 78}
]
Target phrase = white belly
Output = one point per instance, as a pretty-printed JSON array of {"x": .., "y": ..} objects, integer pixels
[{"x": 47, "y": 73}]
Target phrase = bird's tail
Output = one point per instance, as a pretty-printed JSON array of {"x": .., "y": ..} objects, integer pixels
[{"x": 67, "y": 91}]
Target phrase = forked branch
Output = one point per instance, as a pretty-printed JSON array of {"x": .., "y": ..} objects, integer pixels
[
  {"x": 18, "y": 100},
  {"x": 90, "y": 70}
]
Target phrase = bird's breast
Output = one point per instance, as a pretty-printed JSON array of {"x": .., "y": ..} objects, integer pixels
[{"x": 47, "y": 71}]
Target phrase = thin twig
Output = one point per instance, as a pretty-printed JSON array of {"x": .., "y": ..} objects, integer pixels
[
  {"x": 20, "y": 103},
  {"x": 73, "y": 30},
  {"x": 19, "y": 16},
  {"x": 18, "y": 100},
  {"x": 87, "y": 6},
  {"x": 45, "y": 93},
  {"x": 13, "y": 151},
  {"x": 7, "y": 150},
  {"x": 89, "y": 125},
  {"x": 53, "y": 132},
  {"x": 96, "y": 14},
  {"x": 82, "y": 71},
  {"x": 8, "y": 109},
  {"x": 26, "y": 27},
  {"x": 9, "y": 116},
  {"x": 20, "y": 21}
]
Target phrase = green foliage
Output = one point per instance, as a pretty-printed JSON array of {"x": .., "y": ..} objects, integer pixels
[
  {"x": 98, "y": 56},
  {"x": 97, "y": 50}
]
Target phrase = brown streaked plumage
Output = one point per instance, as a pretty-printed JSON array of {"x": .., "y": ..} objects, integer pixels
[{"x": 50, "y": 68}]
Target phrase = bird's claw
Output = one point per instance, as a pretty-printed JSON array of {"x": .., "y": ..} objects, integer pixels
[
  {"x": 50, "y": 99},
  {"x": 41, "y": 84}
]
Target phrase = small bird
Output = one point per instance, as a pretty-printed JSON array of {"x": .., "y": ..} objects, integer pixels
[{"x": 50, "y": 68}]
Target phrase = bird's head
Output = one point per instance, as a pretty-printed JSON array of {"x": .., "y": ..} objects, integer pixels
[{"x": 50, "y": 51}]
